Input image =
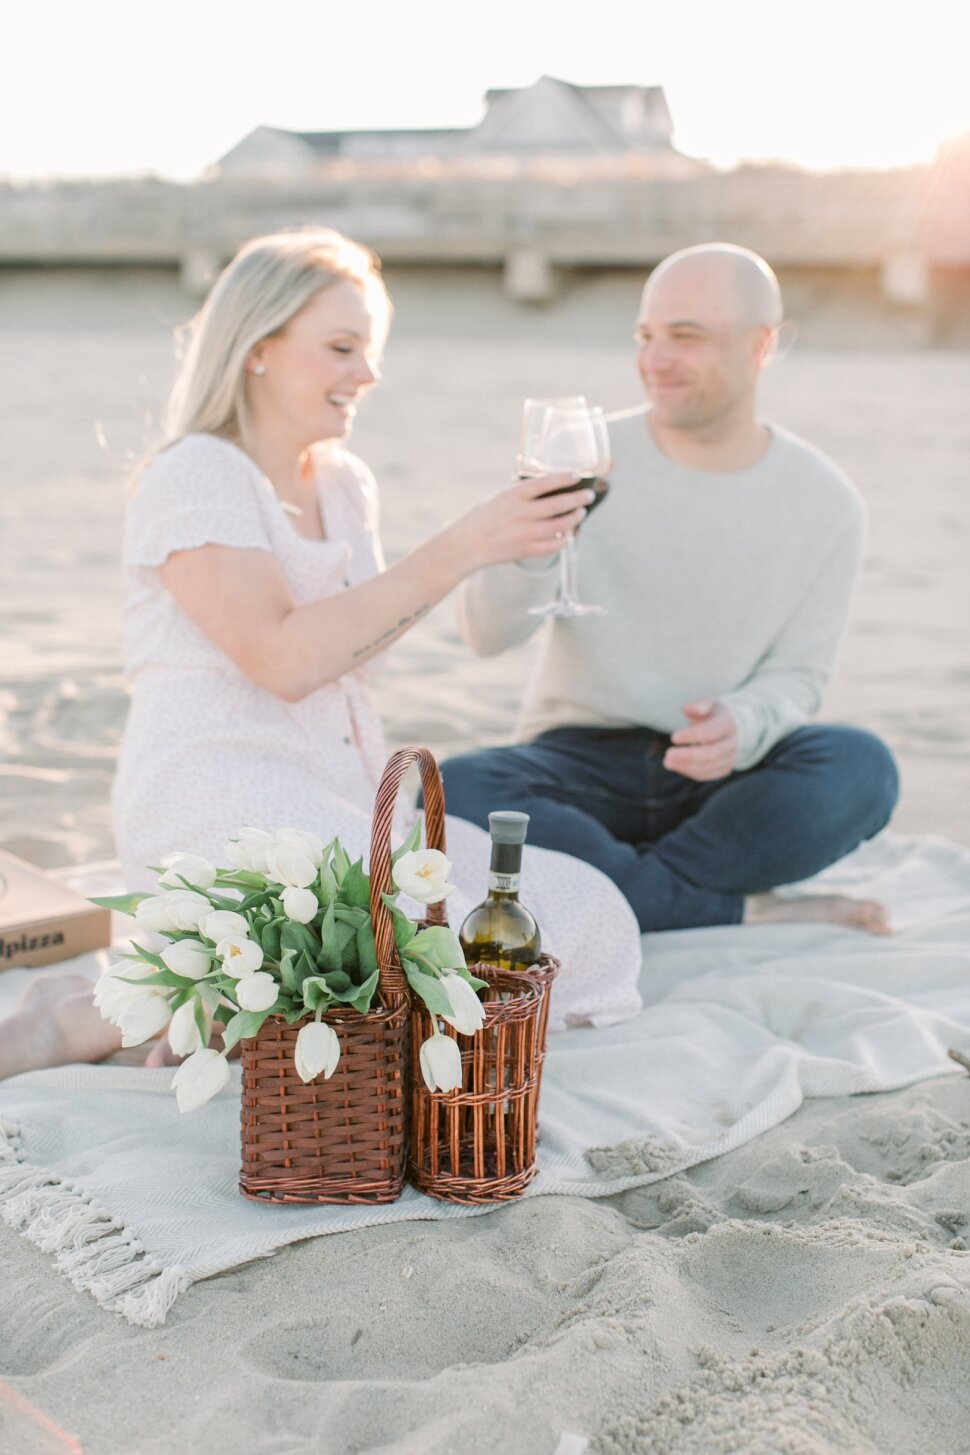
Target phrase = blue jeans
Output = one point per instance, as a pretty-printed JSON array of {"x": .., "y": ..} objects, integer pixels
[{"x": 685, "y": 854}]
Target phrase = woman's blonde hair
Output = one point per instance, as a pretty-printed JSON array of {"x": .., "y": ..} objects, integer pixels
[{"x": 267, "y": 283}]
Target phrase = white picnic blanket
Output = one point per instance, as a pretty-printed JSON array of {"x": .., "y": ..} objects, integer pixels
[{"x": 740, "y": 1025}]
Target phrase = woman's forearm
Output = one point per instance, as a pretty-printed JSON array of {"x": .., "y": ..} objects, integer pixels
[
  {"x": 318, "y": 643},
  {"x": 242, "y": 602}
]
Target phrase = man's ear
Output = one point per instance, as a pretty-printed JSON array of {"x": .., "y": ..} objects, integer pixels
[
  {"x": 778, "y": 345},
  {"x": 764, "y": 340}
]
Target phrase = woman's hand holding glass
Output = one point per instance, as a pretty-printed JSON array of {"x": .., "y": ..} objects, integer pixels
[{"x": 524, "y": 521}]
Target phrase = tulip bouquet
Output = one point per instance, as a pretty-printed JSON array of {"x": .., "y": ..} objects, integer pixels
[{"x": 286, "y": 931}]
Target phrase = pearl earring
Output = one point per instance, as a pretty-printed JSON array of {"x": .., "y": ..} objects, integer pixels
[{"x": 259, "y": 368}]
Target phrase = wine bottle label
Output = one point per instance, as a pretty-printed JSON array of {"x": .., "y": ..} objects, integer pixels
[{"x": 504, "y": 883}]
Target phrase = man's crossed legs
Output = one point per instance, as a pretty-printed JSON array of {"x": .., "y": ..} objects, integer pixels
[{"x": 688, "y": 854}]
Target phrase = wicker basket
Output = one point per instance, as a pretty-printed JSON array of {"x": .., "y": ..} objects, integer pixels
[
  {"x": 478, "y": 1144},
  {"x": 342, "y": 1140}
]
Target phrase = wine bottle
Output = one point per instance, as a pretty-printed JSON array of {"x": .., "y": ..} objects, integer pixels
[{"x": 500, "y": 931}]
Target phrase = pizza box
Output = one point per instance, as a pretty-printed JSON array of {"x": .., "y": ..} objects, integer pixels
[{"x": 42, "y": 920}]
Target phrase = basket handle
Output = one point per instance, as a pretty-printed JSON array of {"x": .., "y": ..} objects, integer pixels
[{"x": 392, "y": 978}]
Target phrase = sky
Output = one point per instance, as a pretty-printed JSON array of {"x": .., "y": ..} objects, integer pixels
[{"x": 99, "y": 87}]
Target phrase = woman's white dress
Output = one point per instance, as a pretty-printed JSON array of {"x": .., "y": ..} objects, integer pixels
[{"x": 206, "y": 751}]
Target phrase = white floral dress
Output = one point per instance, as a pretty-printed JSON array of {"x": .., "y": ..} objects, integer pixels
[{"x": 205, "y": 750}]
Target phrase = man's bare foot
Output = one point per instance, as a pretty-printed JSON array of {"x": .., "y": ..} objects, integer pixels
[
  {"x": 833, "y": 909},
  {"x": 55, "y": 1023}
]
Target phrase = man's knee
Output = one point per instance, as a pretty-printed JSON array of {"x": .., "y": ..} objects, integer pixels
[
  {"x": 857, "y": 766},
  {"x": 876, "y": 775}
]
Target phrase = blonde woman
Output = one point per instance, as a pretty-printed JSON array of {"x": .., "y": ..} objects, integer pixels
[{"x": 258, "y": 595}]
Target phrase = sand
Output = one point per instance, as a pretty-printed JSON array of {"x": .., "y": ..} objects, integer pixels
[{"x": 806, "y": 1294}]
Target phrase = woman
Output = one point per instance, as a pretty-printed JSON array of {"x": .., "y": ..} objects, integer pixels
[{"x": 258, "y": 594}]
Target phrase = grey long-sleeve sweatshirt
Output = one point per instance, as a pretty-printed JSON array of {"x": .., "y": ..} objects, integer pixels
[{"x": 728, "y": 585}]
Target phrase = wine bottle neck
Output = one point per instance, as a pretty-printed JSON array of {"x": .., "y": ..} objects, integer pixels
[{"x": 505, "y": 871}]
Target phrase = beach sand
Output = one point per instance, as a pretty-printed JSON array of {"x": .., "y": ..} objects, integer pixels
[{"x": 804, "y": 1295}]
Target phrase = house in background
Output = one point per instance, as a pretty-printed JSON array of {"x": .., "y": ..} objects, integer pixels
[{"x": 550, "y": 118}]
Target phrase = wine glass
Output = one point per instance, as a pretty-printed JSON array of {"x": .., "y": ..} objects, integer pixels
[
  {"x": 557, "y": 437},
  {"x": 533, "y": 423}
]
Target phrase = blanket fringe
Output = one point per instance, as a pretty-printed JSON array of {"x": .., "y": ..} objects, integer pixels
[{"x": 97, "y": 1253}]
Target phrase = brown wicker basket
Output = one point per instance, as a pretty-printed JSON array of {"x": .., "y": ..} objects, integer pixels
[
  {"x": 342, "y": 1140},
  {"x": 478, "y": 1144}
]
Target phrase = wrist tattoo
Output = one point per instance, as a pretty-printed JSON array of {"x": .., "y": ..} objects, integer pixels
[{"x": 393, "y": 632}]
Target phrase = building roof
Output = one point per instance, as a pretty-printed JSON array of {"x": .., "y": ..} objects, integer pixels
[{"x": 550, "y": 116}]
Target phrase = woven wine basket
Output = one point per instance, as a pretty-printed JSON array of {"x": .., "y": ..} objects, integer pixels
[
  {"x": 478, "y": 1144},
  {"x": 342, "y": 1140}
]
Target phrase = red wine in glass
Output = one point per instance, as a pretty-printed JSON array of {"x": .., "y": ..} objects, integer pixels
[{"x": 600, "y": 488}]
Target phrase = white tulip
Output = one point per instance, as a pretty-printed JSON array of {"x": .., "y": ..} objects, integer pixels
[
  {"x": 240, "y": 955},
  {"x": 142, "y": 1017},
  {"x": 199, "y": 1078},
  {"x": 440, "y": 1061},
  {"x": 467, "y": 1011},
  {"x": 312, "y": 843},
  {"x": 199, "y": 872},
  {"x": 289, "y": 862},
  {"x": 222, "y": 922},
  {"x": 154, "y": 914},
  {"x": 186, "y": 908},
  {"x": 423, "y": 874},
  {"x": 299, "y": 905},
  {"x": 183, "y": 1031},
  {"x": 112, "y": 994},
  {"x": 317, "y": 1049},
  {"x": 248, "y": 850},
  {"x": 118, "y": 1000},
  {"x": 256, "y": 992},
  {"x": 189, "y": 958}
]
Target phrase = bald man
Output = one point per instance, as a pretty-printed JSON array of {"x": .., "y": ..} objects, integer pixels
[{"x": 667, "y": 742}]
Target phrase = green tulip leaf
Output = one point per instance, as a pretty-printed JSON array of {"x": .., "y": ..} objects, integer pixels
[
  {"x": 351, "y": 914},
  {"x": 252, "y": 901},
  {"x": 341, "y": 863},
  {"x": 316, "y": 993},
  {"x": 326, "y": 883},
  {"x": 355, "y": 888},
  {"x": 243, "y": 1024},
  {"x": 412, "y": 842},
  {"x": 366, "y": 949},
  {"x": 240, "y": 879},
  {"x": 287, "y": 971},
  {"x": 365, "y": 993},
  {"x": 145, "y": 957},
  {"x": 165, "y": 978},
  {"x": 201, "y": 1020},
  {"x": 404, "y": 929},
  {"x": 294, "y": 936},
  {"x": 123, "y": 903},
  {"x": 270, "y": 938},
  {"x": 329, "y": 956},
  {"x": 303, "y": 966},
  {"x": 429, "y": 988},
  {"x": 439, "y": 945}
]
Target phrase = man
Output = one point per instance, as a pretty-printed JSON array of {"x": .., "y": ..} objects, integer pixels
[{"x": 666, "y": 741}]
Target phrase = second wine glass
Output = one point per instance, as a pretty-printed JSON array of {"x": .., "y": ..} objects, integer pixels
[{"x": 560, "y": 436}]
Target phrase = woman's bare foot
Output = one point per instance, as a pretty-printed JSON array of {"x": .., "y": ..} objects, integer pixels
[
  {"x": 161, "y": 1054},
  {"x": 55, "y": 1023},
  {"x": 833, "y": 909}
]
